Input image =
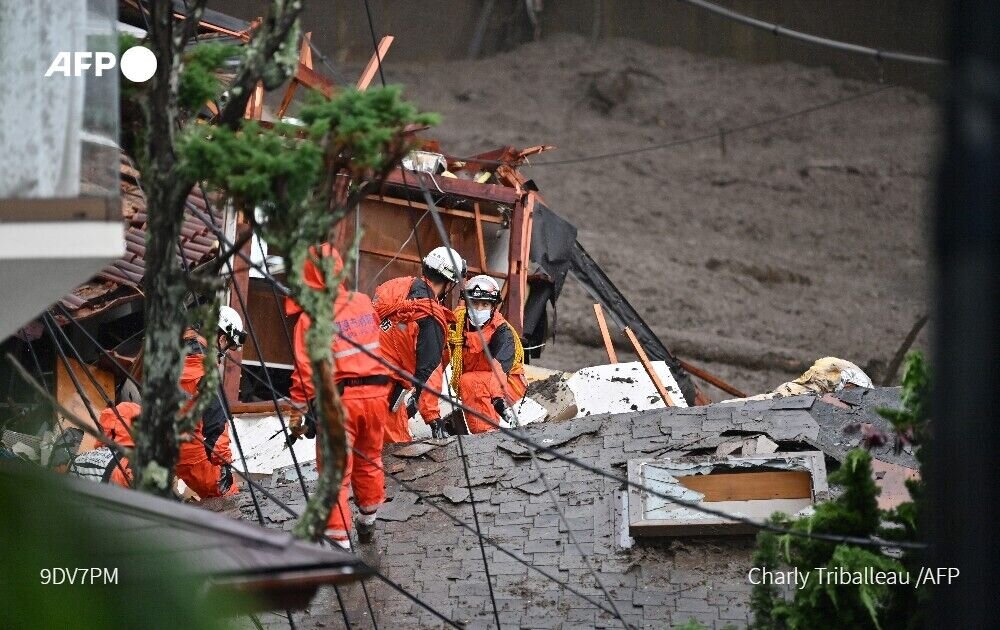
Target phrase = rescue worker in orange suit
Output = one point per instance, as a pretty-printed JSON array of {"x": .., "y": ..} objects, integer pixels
[
  {"x": 487, "y": 386},
  {"x": 414, "y": 324},
  {"x": 363, "y": 383},
  {"x": 102, "y": 464},
  {"x": 205, "y": 462}
]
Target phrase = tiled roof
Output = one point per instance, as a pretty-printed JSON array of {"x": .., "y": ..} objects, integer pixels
[
  {"x": 655, "y": 583},
  {"x": 210, "y": 548},
  {"x": 121, "y": 281}
]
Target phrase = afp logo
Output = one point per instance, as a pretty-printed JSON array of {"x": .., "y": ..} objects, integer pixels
[{"x": 138, "y": 64}]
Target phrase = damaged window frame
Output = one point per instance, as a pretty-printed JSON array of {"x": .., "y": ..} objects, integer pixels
[{"x": 639, "y": 525}]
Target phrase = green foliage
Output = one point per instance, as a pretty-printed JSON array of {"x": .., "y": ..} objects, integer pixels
[
  {"x": 44, "y": 527},
  {"x": 253, "y": 165},
  {"x": 301, "y": 180},
  {"x": 198, "y": 82},
  {"x": 367, "y": 123},
  {"x": 855, "y": 513}
]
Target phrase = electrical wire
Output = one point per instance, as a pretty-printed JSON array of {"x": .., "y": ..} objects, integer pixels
[
  {"x": 51, "y": 326},
  {"x": 274, "y": 398},
  {"x": 852, "y": 540},
  {"x": 252, "y": 484},
  {"x": 484, "y": 343},
  {"x": 465, "y": 465},
  {"x": 715, "y": 134},
  {"x": 426, "y": 499},
  {"x": 778, "y": 30},
  {"x": 371, "y": 29}
]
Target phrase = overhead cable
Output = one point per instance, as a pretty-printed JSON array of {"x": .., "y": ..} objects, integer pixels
[
  {"x": 715, "y": 134},
  {"x": 778, "y": 30},
  {"x": 253, "y": 484},
  {"x": 484, "y": 343},
  {"x": 765, "y": 526},
  {"x": 426, "y": 499}
]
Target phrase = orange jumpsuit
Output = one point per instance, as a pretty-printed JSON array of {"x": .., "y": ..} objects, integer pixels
[
  {"x": 364, "y": 385},
  {"x": 204, "y": 462},
  {"x": 413, "y": 325},
  {"x": 113, "y": 429},
  {"x": 481, "y": 381},
  {"x": 101, "y": 464}
]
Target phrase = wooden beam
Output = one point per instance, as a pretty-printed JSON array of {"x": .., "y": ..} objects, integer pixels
[
  {"x": 461, "y": 187},
  {"x": 263, "y": 407},
  {"x": 373, "y": 64},
  {"x": 255, "y": 104},
  {"x": 711, "y": 379},
  {"x": 480, "y": 242},
  {"x": 305, "y": 59},
  {"x": 241, "y": 278},
  {"x": 416, "y": 259},
  {"x": 603, "y": 324},
  {"x": 653, "y": 376},
  {"x": 750, "y": 486},
  {"x": 465, "y": 214}
]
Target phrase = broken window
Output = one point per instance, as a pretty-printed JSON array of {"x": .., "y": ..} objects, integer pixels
[{"x": 752, "y": 487}]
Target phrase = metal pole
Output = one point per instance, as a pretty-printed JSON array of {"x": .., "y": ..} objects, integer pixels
[{"x": 966, "y": 230}]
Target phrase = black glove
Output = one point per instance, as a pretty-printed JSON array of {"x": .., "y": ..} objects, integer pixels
[
  {"x": 411, "y": 407},
  {"x": 505, "y": 412},
  {"x": 225, "y": 478},
  {"x": 310, "y": 423},
  {"x": 439, "y": 428}
]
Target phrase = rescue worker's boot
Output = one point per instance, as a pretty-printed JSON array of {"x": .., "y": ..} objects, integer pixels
[{"x": 365, "y": 527}]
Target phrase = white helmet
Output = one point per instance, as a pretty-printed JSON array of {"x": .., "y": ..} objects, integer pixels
[
  {"x": 483, "y": 288},
  {"x": 443, "y": 261},
  {"x": 231, "y": 325}
]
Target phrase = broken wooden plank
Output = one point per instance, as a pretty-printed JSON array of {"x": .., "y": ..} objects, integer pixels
[
  {"x": 374, "y": 63},
  {"x": 605, "y": 335},
  {"x": 649, "y": 368},
  {"x": 480, "y": 241},
  {"x": 750, "y": 486},
  {"x": 711, "y": 379}
]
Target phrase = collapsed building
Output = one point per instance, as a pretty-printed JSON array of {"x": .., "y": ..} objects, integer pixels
[{"x": 646, "y": 420}]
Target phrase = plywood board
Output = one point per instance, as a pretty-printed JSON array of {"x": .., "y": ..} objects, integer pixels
[
  {"x": 785, "y": 484},
  {"x": 69, "y": 397}
]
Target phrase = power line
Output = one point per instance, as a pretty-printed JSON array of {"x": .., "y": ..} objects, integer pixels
[
  {"x": 274, "y": 398},
  {"x": 426, "y": 499},
  {"x": 484, "y": 343},
  {"x": 253, "y": 485},
  {"x": 715, "y": 134},
  {"x": 833, "y": 538},
  {"x": 371, "y": 29},
  {"x": 778, "y": 30},
  {"x": 465, "y": 464}
]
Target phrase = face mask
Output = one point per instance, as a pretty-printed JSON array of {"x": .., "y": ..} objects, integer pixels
[{"x": 480, "y": 317}]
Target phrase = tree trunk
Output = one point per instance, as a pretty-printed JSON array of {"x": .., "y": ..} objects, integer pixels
[{"x": 163, "y": 286}]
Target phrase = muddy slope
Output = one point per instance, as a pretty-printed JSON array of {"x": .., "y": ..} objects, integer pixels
[{"x": 753, "y": 255}]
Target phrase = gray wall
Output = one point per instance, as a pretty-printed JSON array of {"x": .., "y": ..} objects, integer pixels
[{"x": 438, "y": 29}]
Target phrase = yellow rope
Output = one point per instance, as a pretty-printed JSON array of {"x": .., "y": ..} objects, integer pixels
[{"x": 456, "y": 339}]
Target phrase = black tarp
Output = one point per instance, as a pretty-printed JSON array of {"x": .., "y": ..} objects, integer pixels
[{"x": 556, "y": 252}]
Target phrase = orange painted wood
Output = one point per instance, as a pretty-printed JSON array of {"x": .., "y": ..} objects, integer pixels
[
  {"x": 653, "y": 376},
  {"x": 70, "y": 398},
  {"x": 750, "y": 486},
  {"x": 608, "y": 346},
  {"x": 369, "y": 72}
]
